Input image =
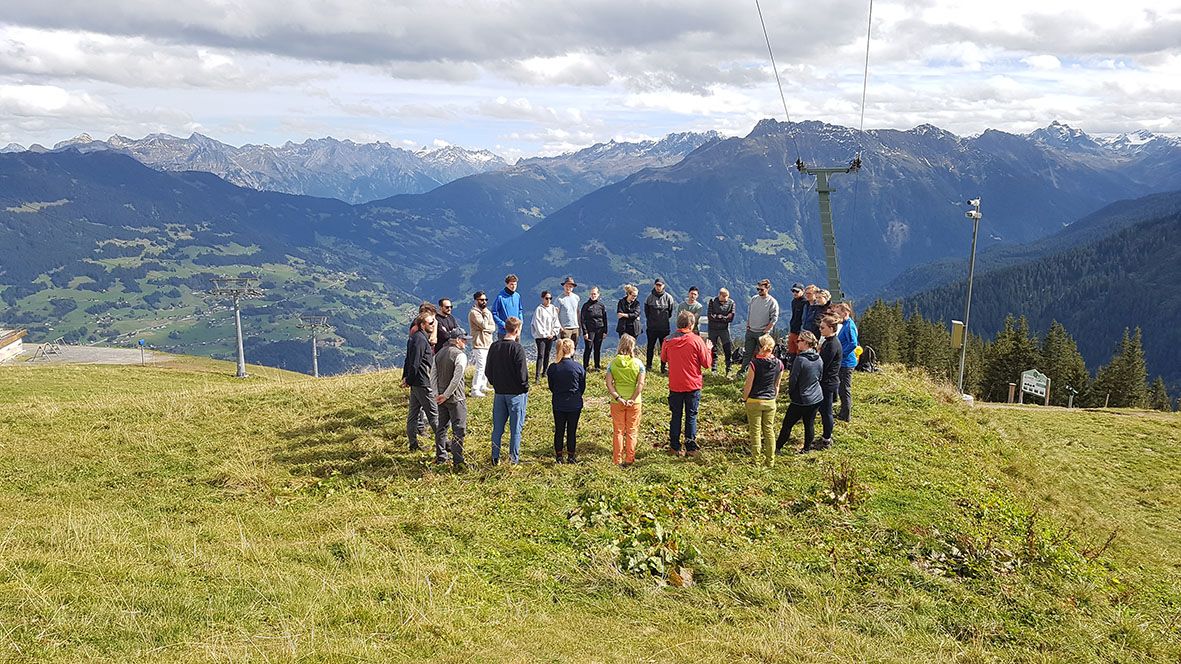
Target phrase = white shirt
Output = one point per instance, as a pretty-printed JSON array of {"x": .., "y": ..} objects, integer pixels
[{"x": 545, "y": 322}]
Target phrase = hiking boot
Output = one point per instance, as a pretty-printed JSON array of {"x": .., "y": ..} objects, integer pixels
[
  {"x": 559, "y": 459},
  {"x": 571, "y": 459},
  {"x": 806, "y": 448},
  {"x": 824, "y": 444}
]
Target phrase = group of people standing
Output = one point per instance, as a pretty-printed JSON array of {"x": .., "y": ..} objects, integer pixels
[{"x": 822, "y": 343}]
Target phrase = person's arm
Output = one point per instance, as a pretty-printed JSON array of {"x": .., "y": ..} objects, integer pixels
[
  {"x": 615, "y": 396},
  {"x": 582, "y": 321},
  {"x": 582, "y": 382},
  {"x": 773, "y": 317},
  {"x": 778, "y": 382},
  {"x": 413, "y": 357},
  {"x": 497, "y": 304},
  {"x": 750, "y": 382},
  {"x": 522, "y": 365},
  {"x": 704, "y": 351},
  {"x": 456, "y": 379},
  {"x": 730, "y": 316},
  {"x": 639, "y": 388}
]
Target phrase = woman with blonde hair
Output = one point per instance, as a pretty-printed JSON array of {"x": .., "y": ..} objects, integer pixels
[
  {"x": 759, "y": 393},
  {"x": 567, "y": 383},
  {"x": 627, "y": 311},
  {"x": 625, "y": 383}
]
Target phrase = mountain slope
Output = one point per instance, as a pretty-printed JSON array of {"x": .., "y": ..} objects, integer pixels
[
  {"x": 736, "y": 210},
  {"x": 1093, "y": 227},
  {"x": 1123, "y": 280},
  {"x": 201, "y": 517}
]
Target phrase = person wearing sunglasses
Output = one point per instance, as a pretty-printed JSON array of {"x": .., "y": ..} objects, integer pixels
[
  {"x": 483, "y": 328},
  {"x": 546, "y": 327}
]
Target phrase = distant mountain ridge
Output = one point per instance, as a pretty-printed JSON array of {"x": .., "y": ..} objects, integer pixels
[
  {"x": 326, "y": 167},
  {"x": 736, "y": 210}
]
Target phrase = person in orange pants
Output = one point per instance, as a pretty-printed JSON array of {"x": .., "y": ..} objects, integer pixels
[{"x": 625, "y": 384}]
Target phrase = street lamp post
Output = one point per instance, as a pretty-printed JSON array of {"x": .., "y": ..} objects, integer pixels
[{"x": 974, "y": 215}]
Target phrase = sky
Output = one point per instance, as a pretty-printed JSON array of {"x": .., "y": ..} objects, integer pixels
[{"x": 529, "y": 77}]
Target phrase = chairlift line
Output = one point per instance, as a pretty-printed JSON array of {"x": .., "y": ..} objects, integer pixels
[{"x": 822, "y": 174}]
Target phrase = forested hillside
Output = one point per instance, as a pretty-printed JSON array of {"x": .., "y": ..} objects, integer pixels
[{"x": 1096, "y": 290}]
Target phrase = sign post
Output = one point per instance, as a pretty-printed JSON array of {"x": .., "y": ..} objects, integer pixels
[
  {"x": 141, "y": 352},
  {"x": 1035, "y": 383}
]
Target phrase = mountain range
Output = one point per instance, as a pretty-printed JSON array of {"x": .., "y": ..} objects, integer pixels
[
  {"x": 736, "y": 210},
  {"x": 87, "y": 236}
]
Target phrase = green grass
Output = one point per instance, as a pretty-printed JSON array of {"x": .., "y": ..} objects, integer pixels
[{"x": 176, "y": 514}]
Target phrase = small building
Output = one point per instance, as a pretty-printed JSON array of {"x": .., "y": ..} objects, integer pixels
[{"x": 11, "y": 343}]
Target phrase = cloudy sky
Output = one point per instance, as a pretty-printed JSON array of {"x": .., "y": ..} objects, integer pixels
[{"x": 525, "y": 77}]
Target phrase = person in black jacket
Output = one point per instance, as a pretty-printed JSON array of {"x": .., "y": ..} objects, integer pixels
[
  {"x": 830, "y": 356},
  {"x": 416, "y": 374},
  {"x": 798, "y": 302},
  {"x": 508, "y": 371},
  {"x": 593, "y": 321},
  {"x": 658, "y": 310},
  {"x": 721, "y": 313},
  {"x": 567, "y": 383},
  {"x": 444, "y": 323},
  {"x": 628, "y": 312},
  {"x": 803, "y": 387}
]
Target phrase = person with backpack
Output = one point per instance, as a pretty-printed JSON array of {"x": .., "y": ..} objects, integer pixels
[
  {"x": 658, "y": 309},
  {"x": 567, "y": 383},
  {"x": 760, "y": 392},
  {"x": 803, "y": 388},
  {"x": 625, "y": 384}
]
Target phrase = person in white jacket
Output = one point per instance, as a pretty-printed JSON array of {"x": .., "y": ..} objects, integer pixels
[{"x": 546, "y": 328}]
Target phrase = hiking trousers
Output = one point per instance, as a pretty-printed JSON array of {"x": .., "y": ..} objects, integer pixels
[{"x": 760, "y": 420}]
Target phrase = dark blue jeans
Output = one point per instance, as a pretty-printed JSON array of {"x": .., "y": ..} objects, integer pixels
[{"x": 683, "y": 403}]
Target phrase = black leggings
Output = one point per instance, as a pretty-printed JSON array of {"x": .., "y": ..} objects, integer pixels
[
  {"x": 596, "y": 340},
  {"x": 795, "y": 413},
  {"x": 655, "y": 337},
  {"x": 543, "y": 358},
  {"x": 566, "y": 426},
  {"x": 826, "y": 421}
]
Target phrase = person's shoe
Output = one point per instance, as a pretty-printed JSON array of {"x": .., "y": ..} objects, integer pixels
[
  {"x": 495, "y": 461},
  {"x": 415, "y": 447},
  {"x": 693, "y": 453},
  {"x": 571, "y": 459},
  {"x": 681, "y": 453},
  {"x": 806, "y": 448},
  {"x": 559, "y": 459},
  {"x": 824, "y": 444}
]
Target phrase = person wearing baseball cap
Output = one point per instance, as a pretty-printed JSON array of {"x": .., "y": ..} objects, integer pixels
[
  {"x": 658, "y": 310},
  {"x": 797, "y": 318},
  {"x": 450, "y": 364}
]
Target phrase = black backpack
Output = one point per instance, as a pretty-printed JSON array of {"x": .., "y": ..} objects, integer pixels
[{"x": 868, "y": 361}]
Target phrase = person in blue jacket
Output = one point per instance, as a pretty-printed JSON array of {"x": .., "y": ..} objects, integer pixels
[
  {"x": 847, "y": 335},
  {"x": 506, "y": 305},
  {"x": 567, "y": 383}
]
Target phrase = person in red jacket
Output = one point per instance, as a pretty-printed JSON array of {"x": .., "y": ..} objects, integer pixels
[{"x": 686, "y": 355}]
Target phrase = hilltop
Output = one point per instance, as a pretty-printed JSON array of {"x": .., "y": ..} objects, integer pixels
[{"x": 173, "y": 513}]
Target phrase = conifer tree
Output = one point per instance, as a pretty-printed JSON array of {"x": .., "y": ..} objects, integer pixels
[
  {"x": 1010, "y": 353},
  {"x": 1125, "y": 378},
  {"x": 1158, "y": 396},
  {"x": 1061, "y": 361},
  {"x": 882, "y": 327}
]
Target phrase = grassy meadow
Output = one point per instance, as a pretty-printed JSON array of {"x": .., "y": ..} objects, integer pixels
[{"x": 172, "y": 513}]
